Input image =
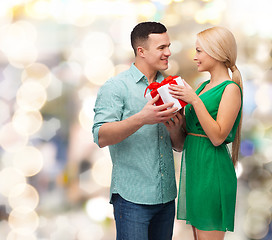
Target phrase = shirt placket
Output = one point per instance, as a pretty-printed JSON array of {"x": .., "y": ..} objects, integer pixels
[{"x": 161, "y": 159}]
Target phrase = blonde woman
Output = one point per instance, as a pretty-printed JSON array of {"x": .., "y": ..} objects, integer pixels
[{"x": 208, "y": 183}]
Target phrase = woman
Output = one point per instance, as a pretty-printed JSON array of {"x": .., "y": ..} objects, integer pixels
[{"x": 207, "y": 190}]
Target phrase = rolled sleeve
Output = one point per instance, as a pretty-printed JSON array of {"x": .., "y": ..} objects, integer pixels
[{"x": 108, "y": 107}]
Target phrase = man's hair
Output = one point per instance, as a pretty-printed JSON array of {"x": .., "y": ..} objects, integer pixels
[{"x": 141, "y": 32}]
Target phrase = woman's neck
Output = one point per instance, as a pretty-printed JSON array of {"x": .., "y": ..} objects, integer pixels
[{"x": 219, "y": 74}]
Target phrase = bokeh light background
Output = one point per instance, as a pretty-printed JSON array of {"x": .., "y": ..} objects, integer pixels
[{"x": 54, "y": 56}]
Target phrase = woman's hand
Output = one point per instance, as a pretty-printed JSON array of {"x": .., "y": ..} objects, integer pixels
[{"x": 186, "y": 94}]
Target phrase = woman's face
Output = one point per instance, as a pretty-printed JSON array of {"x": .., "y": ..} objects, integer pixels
[{"x": 204, "y": 61}]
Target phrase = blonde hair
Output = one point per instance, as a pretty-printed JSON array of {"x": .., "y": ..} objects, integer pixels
[{"x": 220, "y": 44}]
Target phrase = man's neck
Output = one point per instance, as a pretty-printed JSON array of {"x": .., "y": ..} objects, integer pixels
[{"x": 145, "y": 69}]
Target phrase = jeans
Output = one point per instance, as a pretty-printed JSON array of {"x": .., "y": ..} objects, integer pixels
[{"x": 143, "y": 222}]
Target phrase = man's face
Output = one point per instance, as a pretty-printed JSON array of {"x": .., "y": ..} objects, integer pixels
[{"x": 156, "y": 51}]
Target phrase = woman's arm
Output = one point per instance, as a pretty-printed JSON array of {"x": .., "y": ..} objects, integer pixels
[{"x": 217, "y": 130}]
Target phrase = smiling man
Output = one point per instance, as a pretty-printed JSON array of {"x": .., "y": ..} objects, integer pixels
[{"x": 143, "y": 186}]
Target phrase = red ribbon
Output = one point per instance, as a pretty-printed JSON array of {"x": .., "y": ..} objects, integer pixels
[{"x": 155, "y": 85}]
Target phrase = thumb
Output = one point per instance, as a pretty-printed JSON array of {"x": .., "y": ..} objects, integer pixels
[
  {"x": 186, "y": 84},
  {"x": 155, "y": 99}
]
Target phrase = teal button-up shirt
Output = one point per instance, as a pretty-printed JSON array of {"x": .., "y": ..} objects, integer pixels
[{"x": 143, "y": 166}]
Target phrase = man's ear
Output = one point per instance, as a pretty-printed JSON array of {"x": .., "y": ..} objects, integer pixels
[{"x": 140, "y": 51}]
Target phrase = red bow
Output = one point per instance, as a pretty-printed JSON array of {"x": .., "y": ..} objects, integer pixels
[{"x": 155, "y": 85}]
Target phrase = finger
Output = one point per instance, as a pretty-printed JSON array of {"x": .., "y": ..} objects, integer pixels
[
  {"x": 169, "y": 112},
  {"x": 186, "y": 84},
  {"x": 155, "y": 99},
  {"x": 175, "y": 87},
  {"x": 164, "y": 106},
  {"x": 178, "y": 119}
]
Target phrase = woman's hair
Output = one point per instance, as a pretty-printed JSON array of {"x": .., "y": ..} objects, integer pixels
[{"x": 220, "y": 44}]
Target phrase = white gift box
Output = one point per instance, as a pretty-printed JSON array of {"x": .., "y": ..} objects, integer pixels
[{"x": 165, "y": 96}]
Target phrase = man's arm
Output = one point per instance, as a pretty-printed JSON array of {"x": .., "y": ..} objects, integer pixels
[{"x": 114, "y": 132}]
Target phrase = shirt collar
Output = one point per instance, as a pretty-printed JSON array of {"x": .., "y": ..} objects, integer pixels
[{"x": 138, "y": 75}]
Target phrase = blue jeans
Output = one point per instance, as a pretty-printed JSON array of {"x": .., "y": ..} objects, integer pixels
[{"x": 143, "y": 222}]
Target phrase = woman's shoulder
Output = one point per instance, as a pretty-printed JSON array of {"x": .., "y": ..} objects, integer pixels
[{"x": 203, "y": 83}]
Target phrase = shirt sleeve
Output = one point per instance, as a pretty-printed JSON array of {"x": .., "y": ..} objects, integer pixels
[{"x": 108, "y": 107}]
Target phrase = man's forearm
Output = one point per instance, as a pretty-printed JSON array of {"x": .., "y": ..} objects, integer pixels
[{"x": 115, "y": 132}]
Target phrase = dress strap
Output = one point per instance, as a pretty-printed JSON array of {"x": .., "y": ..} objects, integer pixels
[{"x": 197, "y": 135}]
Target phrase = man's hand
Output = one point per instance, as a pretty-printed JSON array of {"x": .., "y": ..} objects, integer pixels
[
  {"x": 151, "y": 114},
  {"x": 174, "y": 127}
]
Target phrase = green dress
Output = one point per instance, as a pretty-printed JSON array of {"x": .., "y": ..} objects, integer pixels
[{"x": 208, "y": 183}]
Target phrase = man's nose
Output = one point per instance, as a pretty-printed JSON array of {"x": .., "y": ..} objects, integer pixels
[{"x": 167, "y": 52}]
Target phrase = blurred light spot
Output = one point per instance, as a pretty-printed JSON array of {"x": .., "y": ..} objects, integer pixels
[
  {"x": 87, "y": 184},
  {"x": 263, "y": 98},
  {"x": 256, "y": 224},
  {"x": 239, "y": 169},
  {"x": 121, "y": 68},
  {"x": 97, "y": 44},
  {"x": 86, "y": 114},
  {"x": 99, "y": 70},
  {"x": 211, "y": 13},
  {"x": 244, "y": 10},
  {"x": 69, "y": 72},
  {"x": 38, "y": 9},
  {"x": 164, "y": 2},
  {"x": 27, "y": 122},
  {"x": 176, "y": 46},
  {"x": 64, "y": 229},
  {"x": 268, "y": 153},
  {"x": 76, "y": 12},
  {"x": 10, "y": 139},
  {"x": 23, "y": 195},
  {"x": 20, "y": 53},
  {"x": 260, "y": 199},
  {"x": 37, "y": 72},
  {"x": 171, "y": 19},
  {"x": 22, "y": 30},
  {"x": 110, "y": 8},
  {"x": 29, "y": 160},
  {"x": 11, "y": 82},
  {"x": 98, "y": 209},
  {"x": 5, "y": 112},
  {"x": 93, "y": 232},
  {"x": 6, "y": 13},
  {"x": 173, "y": 68},
  {"x": 54, "y": 90},
  {"x": 101, "y": 171},
  {"x": 13, "y": 235},
  {"x": 146, "y": 9},
  {"x": 10, "y": 178},
  {"x": 23, "y": 220},
  {"x": 31, "y": 96},
  {"x": 49, "y": 129},
  {"x": 249, "y": 92},
  {"x": 247, "y": 148}
]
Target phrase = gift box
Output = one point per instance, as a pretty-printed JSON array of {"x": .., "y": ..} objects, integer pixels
[{"x": 163, "y": 90}]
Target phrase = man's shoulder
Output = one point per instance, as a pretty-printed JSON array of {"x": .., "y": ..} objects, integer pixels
[{"x": 120, "y": 79}]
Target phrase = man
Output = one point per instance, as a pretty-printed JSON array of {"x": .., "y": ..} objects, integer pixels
[{"x": 143, "y": 186}]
